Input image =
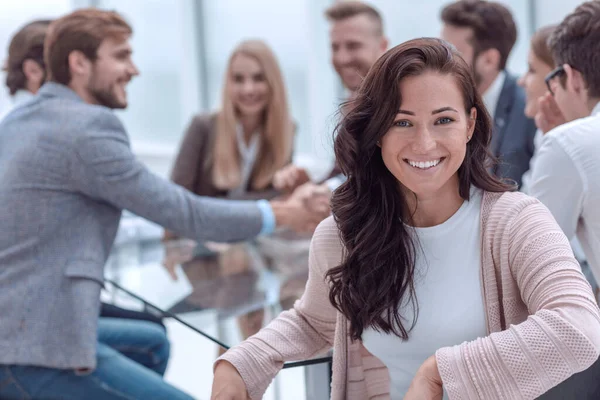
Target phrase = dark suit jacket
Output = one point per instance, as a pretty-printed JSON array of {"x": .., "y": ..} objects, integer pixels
[{"x": 512, "y": 139}]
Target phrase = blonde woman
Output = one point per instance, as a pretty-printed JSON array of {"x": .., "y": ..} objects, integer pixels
[{"x": 235, "y": 151}]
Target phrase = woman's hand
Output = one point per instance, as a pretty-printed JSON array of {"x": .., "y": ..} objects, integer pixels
[
  {"x": 289, "y": 178},
  {"x": 228, "y": 384},
  {"x": 427, "y": 383}
]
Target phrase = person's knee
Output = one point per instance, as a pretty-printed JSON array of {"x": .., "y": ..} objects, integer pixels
[
  {"x": 152, "y": 348},
  {"x": 160, "y": 347},
  {"x": 163, "y": 350}
]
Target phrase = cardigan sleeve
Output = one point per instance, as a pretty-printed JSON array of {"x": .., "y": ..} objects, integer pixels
[
  {"x": 305, "y": 331},
  {"x": 561, "y": 335}
]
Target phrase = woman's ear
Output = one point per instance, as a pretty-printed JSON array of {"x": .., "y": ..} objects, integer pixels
[{"x": 471, "y": 123}]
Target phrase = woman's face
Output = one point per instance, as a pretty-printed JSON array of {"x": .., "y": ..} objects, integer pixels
[
  {"x": 533, "y": 83},
  {"x": 249, "y": 88},
  {"x": 427, "y": 142}
]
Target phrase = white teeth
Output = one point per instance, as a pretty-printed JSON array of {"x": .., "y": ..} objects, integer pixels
[{"x": 424, "y": 164}]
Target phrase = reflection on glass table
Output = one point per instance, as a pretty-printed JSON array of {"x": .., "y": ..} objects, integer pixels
[{"x": 245, "y": 285}]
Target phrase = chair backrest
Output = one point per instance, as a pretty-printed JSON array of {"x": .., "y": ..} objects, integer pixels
[{"x": 582, "y": 386}]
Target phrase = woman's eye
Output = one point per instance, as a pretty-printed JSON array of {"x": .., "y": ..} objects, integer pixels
[
  {"x": 402, "y": 124},
  {"x": 444, "y": 120}
]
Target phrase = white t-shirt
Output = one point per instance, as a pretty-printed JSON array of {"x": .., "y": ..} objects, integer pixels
[{"x": 449, "y": 296}]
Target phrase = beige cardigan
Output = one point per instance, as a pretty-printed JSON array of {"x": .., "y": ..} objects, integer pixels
[{"x": 543, "y": 322}]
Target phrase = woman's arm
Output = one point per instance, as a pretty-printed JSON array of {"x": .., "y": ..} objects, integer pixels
[
  {"x": 560, "y": 337},
  {"x": 303, "y": 332}
]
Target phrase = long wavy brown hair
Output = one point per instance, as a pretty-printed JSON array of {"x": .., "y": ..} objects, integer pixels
[{"x": 376, "y": 275}]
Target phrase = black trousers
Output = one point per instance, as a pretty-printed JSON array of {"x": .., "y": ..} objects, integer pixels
[{"x": 112, "y": 311}]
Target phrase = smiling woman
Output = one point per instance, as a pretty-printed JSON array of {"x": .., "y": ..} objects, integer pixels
[
  {"x": 236, "y": 151},
  {"x": 432, "y": 279}
]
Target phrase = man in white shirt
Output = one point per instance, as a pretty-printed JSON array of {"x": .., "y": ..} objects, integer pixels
[
  {"x": 25, "y": 70},
  {"x": 484, "y": 32},
  {"x": 566, "y": 174}
]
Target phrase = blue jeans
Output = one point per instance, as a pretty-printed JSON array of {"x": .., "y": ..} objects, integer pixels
[{"x": 131, "y": 358}]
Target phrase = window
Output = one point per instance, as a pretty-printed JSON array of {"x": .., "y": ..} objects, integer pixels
[
  {"x": 297, "y": 33},
  {"x": 14, "y": 15},
  {"x": 164, "y": 97}
]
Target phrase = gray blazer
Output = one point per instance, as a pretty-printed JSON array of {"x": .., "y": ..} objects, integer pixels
[
  {"x": 512, "y": 139},
  {"x": 66, "y": 172}
]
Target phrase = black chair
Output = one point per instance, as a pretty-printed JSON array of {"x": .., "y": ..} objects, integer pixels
[{"x": 582, "y": 386}]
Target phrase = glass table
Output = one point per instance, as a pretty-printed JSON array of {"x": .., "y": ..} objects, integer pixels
[{"x": 224, "y": 292}]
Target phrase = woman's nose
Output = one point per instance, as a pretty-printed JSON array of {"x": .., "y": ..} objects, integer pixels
[{"x": 424, "y": 142}]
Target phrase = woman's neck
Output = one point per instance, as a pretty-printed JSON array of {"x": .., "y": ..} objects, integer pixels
[
  {"x": 436, "y": 208},
  {"x": 250, "y": 124}
]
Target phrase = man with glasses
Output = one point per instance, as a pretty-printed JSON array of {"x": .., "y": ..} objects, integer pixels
[{"x": 566, "y": 173}]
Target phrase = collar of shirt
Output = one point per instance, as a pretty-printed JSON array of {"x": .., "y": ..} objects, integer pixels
[
  {"x": 596, "y": 109},
  {"x": 492, "y": 95},
  {"x": 246, "y": 151}
]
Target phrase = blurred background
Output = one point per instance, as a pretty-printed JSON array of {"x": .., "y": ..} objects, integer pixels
[{"x": 182, "y": 46}]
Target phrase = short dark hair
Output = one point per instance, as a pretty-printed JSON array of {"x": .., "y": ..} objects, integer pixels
[
  {"x": 576, "y": 41},
  {"x": 26, "y": 44},
  {"x": 82, "y": 30},
  {"x": 342, "y": 10},
  {"x": 492, "y": 24}
]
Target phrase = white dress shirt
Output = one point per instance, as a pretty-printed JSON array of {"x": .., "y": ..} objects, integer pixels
[
  {"x": 537, "y": 143},
  {"x": 492, "y": 95},
  {"x": 566, "y": 178}
]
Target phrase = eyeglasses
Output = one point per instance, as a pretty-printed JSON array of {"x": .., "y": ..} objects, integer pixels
[{"x": 555, "y": 72}]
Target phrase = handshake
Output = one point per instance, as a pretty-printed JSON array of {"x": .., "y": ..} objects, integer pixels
[{"x": 304, "y": 205}]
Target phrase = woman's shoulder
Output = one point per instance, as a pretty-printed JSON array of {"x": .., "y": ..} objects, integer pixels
[
  {"x": 204, "y": 121},
  {"x": 327, "y": 229},
  {"x": 201, "y": 129},
  {"x": 507, "y": 202},
  {"x": 326, "y": 245},
  {"x": 507, "y": 211}
]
